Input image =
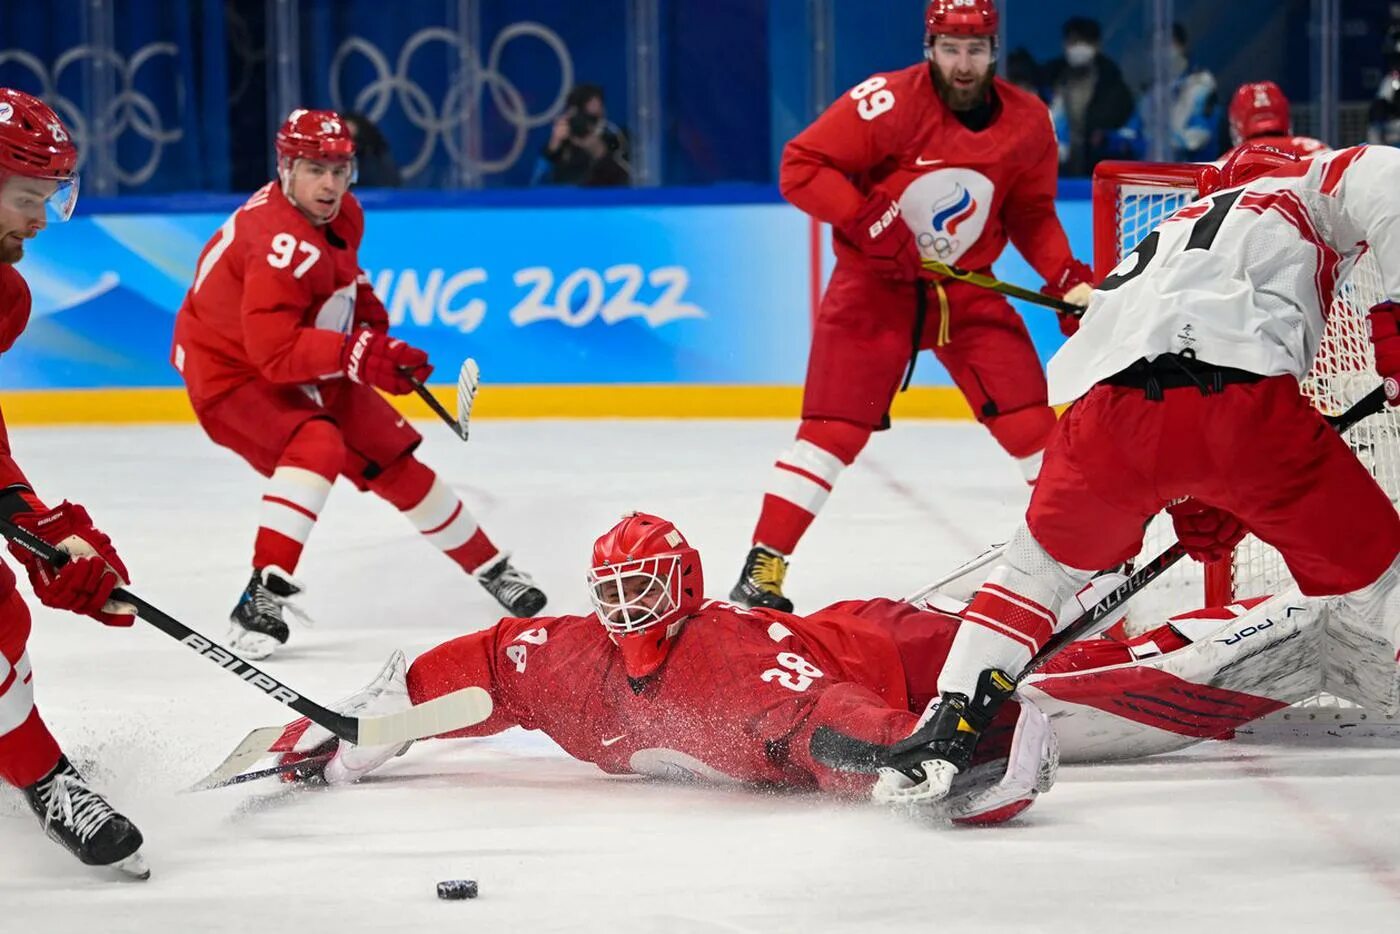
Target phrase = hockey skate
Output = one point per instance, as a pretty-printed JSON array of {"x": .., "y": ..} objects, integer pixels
[
  {"x": 333, "y": 761},
  {"x": 513, "y": 588},
  {"x": 82, "y": 820},
  {"x": 257, "y": 625},
  {"x": 761, "y": 581},
  {"x": 919, "y": 770}
]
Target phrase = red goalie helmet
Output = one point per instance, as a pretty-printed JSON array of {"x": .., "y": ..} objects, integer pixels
[
  {"x": 961, "y": 18},
  {"x": 645, "y": 582},
  {"x": 1259, "y": 108},
  {"x": 315, "y": 134},
  {"x": 1253, "y": 161},
  {"x": 34, "y": 143}
]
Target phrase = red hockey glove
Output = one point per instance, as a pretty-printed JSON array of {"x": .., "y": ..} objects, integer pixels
[
  {"x": 85, "y": 583},
  {"x": 373, "y": 316},
  {"x": 1074, "y": 283},
  {"x": 879, "y": 232},
  {"x": 386, "y": 363},
  {"x": 1384, "y": 321},
  {"x": 1207, "y": 533}
]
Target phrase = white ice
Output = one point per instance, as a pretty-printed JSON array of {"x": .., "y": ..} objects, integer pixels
[{"x": 1225, "y": 837}]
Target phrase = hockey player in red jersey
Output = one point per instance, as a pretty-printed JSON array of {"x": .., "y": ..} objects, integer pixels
[
  {"x": 282, "y": 345},
  {"x": 1259, "y": 116},
  {"x": 940, "y": 160},
  {"x": 661, "y": 682},
  {"x": 38, "y": 180},
  {"x": 1184, "y": 380}
]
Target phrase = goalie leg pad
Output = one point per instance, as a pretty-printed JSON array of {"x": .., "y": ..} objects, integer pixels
[{"x": 1362, "y": 640}]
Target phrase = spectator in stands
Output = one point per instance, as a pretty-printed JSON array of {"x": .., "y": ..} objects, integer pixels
[
  {"x": 1089, "y": 98},
  {"x": 373, "y": 160},
  {"x": 1190, "y": 101},
  {"x": 1384, "y": 118},
  {"x": 584, "y": 148},
  {"x": 1023, "y": 71}
]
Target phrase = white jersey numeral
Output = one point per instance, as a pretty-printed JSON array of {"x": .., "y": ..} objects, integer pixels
[
  {"x": 285, "y": 247},
  {"x": 799, "y": 673},
  {"x": 872, "y": 97}
]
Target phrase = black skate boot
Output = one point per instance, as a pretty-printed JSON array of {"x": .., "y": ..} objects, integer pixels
[
  {"x": 257, "y": 625},
  {"x": 761, "y": 581},
  {"x": 920, "y": 768},
  {"x": 82, "y": 820},
  {"x": 512, "y": 587}
]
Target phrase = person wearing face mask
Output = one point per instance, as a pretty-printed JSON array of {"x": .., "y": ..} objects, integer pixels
[
  {"x": 1089, "y": 99},
  {"x": 1191, "y": 103}
]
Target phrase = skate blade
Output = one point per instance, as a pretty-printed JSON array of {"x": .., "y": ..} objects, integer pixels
[
  {"x": 255, "y": 646},
  {"x": 133, "y": 867}
]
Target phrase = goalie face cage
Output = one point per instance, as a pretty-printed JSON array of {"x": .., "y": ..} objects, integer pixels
[{"x": 1129, "y": 200}]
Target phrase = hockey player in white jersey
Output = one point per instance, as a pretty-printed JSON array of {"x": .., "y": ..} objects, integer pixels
[{"x": 1184, "y": 381}]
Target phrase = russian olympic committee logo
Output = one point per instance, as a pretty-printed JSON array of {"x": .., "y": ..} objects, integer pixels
[
  {"x": 446, "y": 119},
  {"x": 128, "y": 110}
]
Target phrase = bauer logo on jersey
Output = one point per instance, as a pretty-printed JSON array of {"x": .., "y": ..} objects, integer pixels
[{"x": 947, "y": 209}]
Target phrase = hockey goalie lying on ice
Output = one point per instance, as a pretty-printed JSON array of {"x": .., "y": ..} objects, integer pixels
[{"x": 671, "y": 685}]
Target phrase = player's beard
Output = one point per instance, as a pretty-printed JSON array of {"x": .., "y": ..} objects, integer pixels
[
  {"x": 959, "y": 98},
  {"x": 11, "y": 249}
]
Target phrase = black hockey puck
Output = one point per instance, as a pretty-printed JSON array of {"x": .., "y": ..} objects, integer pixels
[{"x": 454, "y": 889}]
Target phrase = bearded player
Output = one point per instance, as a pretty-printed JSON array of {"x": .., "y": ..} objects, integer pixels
[
  {"x": 1184, "y": 380},
  {"x": 941, "y": 160},
  {"x": 282, "y": 345},
  {"x": 38, "y": 179},
  {"x": 1259, "y": 116}
]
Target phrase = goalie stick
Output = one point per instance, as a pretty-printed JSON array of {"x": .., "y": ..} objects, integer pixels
[
  {"x": 839, "y": 751},
  {"x": 468, "y": 380},
  {"x": 440, "y": 715}
]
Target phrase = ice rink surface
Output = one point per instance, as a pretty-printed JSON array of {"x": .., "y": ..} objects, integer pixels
[{"x": 1224, "y": 837}]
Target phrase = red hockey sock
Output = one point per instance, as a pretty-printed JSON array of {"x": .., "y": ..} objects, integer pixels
[
  {"x": 802, "y": 480},
  {"x": 296, "y": 493},
  {"x": 436, "y": 511},
  {"x": 28, "y": 751}
]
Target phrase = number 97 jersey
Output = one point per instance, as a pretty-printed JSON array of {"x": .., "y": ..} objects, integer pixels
[
  {"x": 1244, "y": 277},
  {"x": 273, "y": 298}
]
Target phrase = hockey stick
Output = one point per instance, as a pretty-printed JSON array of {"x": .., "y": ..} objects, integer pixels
[
  {"x": 468, "y": 379},
  {"x": 839, "y": 751},
  {"x": 440, "y": 715},
  {"x": 981, "y": 561},
  {"x": 284, "y": 768},
  {"x": 1005, "y": 288}
]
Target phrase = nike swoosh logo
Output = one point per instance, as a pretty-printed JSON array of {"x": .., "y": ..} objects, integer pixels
[
  {"x": 921, "y": 161},
  {"x": 609, "y": 742},
  {"x": 399, "y": 423}
]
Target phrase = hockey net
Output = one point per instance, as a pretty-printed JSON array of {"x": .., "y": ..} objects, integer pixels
[{"x": 1129, "y": 200}]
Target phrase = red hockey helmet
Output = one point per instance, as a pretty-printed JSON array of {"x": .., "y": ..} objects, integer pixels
[
  {"x": 34, "y": 143},
  {"x": 645, "y": 583},
  {"x": 1249, "y": 163},
  {"x": 961, "y": 18},
  {"x": 315, "y": 134},
  {"x": 1258, "y": 108}
]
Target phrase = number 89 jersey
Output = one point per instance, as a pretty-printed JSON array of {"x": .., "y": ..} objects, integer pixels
[
  {"x": 1244, "y": 277},
  {"x": 273, "y": 298}
]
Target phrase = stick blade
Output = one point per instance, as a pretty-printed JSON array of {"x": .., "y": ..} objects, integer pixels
[
  {"x": 444, "y": 714},
  {"x": 468, "y": 381},
  {"x": 254, "y": 748}
]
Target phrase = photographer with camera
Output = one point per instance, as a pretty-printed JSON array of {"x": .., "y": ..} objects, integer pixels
[{"x": 584, "y": 147}]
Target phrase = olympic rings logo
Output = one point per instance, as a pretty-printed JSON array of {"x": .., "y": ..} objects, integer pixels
[
  {"x": 445, "y": 119},
  {"x": 128, "y": 111}
]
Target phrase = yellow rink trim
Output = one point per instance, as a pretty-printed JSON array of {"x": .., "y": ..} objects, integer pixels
[{"x": 148, "y": 406}]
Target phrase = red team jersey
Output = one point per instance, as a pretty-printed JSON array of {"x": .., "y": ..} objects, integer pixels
[
  {"x": 787, "y": 675},
  {"x": 14, "y": 316},
  {"x": 963, "y": 192},
  {"x": 273, "y": 297}
]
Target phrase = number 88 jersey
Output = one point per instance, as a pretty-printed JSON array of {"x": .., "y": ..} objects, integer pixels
[
  {"x": 273, "y": 298},
  {"x": 1244, "y": 277}
]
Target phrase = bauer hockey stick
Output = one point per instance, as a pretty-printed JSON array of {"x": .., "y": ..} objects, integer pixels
[
  {"x": 839, "y": 751},
  {"x": 440, "y": 715},
  {"x": 467, "y": 382},
  {"x": 1005, "y": 288}
]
